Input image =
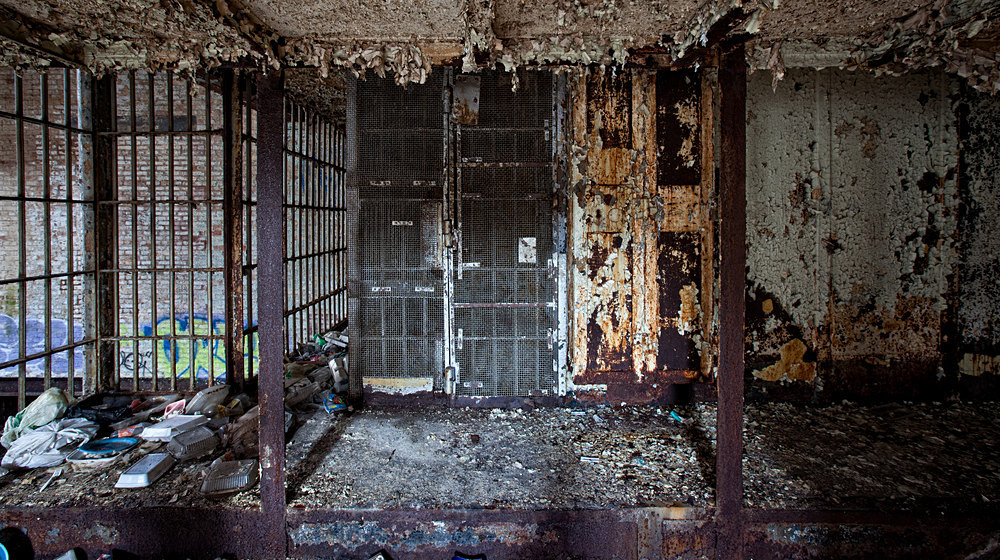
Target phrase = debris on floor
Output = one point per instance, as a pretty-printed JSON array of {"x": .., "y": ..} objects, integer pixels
[
  {"x": 468, "y": 457},
  {"x": 900, "y": 456}
]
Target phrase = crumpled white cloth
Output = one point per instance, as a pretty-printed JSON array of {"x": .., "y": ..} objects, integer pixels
[{"x": 48, "y": 445}]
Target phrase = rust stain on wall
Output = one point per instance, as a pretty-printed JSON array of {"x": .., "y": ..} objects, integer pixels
[
  {"x": 979, "y": 364},
  {"x": 791, "y": 366}
]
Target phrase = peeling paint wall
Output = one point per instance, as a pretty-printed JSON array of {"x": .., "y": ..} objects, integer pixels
[
  {"x": 642, "y": 174},
  {"x": 978, "y": 301},
  {"x": 852, "y": 199}
]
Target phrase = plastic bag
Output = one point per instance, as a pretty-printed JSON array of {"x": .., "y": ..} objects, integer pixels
[
  {"x": 50, "y": 405},
  {"x": 49, "y": 445}
]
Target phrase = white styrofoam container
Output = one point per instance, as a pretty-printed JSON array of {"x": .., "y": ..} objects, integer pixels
[
  {"x": 145, "y": 471},
  {"x": 163, "y": 431}
]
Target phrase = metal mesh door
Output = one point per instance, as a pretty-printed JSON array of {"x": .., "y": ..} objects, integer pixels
[
  {"x": 504, "y": 310},
  {"x": 401, "y": 158}
]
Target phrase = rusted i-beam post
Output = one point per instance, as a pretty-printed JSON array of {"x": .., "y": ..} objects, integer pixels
[
  {"x": 106, "y": 230},
  {"x": 270, "y": 306},
  {"x": 232, "y": 175},
  {"x": 732, "y": 280}
]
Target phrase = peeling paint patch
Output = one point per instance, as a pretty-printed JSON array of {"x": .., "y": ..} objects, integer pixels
[
  {"x": 791, "y": 366},
  {"x": 400, "y": 385},
  {"x": 979, "y": 364},
  {"x": 689, "y": 311}
]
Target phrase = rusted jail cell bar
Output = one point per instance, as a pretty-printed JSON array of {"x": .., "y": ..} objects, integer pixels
[
  {"x": 47, "y": 275},
  {"x": 169, "y": 215},
  {"x": 641, "y": 231}
]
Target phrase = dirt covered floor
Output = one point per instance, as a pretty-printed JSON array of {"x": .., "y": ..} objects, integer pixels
[
  {"x": 902, "y": 456},
  {"x": 490, "y": 458}
]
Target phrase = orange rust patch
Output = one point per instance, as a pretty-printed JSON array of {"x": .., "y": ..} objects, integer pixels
[
  {"x": 791, "y": 365},
  {"x": 767, "y": 306}
]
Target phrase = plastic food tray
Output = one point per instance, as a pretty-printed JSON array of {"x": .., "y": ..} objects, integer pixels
[
  {"x": 146, "y": 471},
  {"x": 194, "y": 443},
  {"x": 227, "y": 477}
]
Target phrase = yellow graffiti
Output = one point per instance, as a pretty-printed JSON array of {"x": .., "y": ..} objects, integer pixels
[{"x": 178, "y": 349}]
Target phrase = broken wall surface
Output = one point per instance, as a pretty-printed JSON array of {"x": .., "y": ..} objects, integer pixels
[
  {"x": 852, "y": 198},
  {"x": 978, "y": 301}
]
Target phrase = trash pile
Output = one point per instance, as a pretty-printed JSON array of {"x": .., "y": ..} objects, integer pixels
[{"x": 136, "y": 439}]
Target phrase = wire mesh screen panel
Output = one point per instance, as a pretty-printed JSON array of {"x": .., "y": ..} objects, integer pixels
[
  {"x": 315, "y": 211},
  {"x": 504, "y": 281},
  {"x": 401, "y": 173},
  {"x": 47, "y": 273}
]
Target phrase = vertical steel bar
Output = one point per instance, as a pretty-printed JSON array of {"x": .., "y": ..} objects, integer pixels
[
  {"x": 232, "y": 205},
  {"x": 208, "y": 198},
  {"x": 297, "y": 195},
  {"x": 189, "y": 110},
  {"x": 22, "y": 265},
  {"x": 86, "y": 174},
  {"x": 134, "y": 207},
  {"x": 270, "y": 181},
  {"x": 172, "y": 252},
  {"x": 105, "y": 224},
  {"x": 47, "y": 232},
  {"x": 70, "y": 246},
  {"x": 248, "y": 260},
  {"x": 154, "y": 261},
  {"x": 732, "y": 280}
]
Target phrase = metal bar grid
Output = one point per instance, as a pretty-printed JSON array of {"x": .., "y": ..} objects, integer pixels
[
  {"x": 314, "y": 210},
  {"x": 248, "y": 108},
  {"x": 43, "y": 272},
  {"x": 171, "y": 332}
]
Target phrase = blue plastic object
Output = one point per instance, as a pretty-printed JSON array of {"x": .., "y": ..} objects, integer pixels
[{"x": 108, "y": 446}]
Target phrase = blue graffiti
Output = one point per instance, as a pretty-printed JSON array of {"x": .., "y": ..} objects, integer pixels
[{"x": 10, "y": 346}]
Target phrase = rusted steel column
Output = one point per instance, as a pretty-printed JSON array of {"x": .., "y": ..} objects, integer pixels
[
  {"x": 106, "y": 230},
  {"x": 270, "y": 305},
  {"x": 232, "y": 176},
  {"x": 732, "y": 280}
]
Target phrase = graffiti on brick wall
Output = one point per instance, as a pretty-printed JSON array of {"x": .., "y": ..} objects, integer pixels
[
  {"x": 34, "y": 335},
  {"x": 197, "y": 356},
  {"x": 185, "y": 356}
]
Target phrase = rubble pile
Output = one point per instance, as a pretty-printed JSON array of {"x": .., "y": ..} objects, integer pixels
[{"x": 146, "y": 450}]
